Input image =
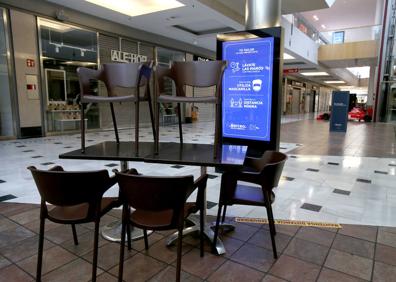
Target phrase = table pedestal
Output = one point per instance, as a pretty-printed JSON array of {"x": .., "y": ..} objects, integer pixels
[{"x": 112, "y": 232}]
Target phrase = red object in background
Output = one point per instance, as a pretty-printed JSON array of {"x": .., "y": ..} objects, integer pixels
[
  {"x": 290, "y": 71},
  {"x": 361, "y": 114},
  {"x": 31, "y": 86},
  {"x": 30, "y": 63}
]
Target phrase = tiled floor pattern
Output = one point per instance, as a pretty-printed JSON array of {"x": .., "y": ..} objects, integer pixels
[
  {"x": 343, "y": 189},
  {"x": 353, "y": 253}
]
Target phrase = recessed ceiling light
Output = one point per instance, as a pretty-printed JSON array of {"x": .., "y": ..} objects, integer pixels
[
  {"x": 287, "y": 57},
  {"x": 334, "y": 82},
  {"x": 315, "y": 17},
  {"x": 318, "y": 73},
  {"x": 323, "y": 26},
  {"x": 134, "y": 8}
]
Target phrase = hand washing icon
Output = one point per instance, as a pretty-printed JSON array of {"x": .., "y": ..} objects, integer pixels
[{"x": 257, "y": 84}]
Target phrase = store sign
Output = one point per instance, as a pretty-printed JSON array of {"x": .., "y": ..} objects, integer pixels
[
  {"x": 30, "y": 63},
  {"x": 339, "y": 111},
  {"x": 338, "y": 37},
  {"x": 125, "y": 57},
  {"x": 247, "y": 88},
  {"x": 291, "y": 71}
]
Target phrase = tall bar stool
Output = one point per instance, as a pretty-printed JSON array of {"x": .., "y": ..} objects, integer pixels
[
  {"x": 76, "y": 197},
  {"x": 133, "y": 76},
  {"x": 264, "y": 172},
  {"x": 195, "y": 74},
  {"x": 159, "y": 203}
]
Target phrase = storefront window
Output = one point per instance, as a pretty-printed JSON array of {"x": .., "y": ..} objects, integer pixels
[
  {"x": 6, "y": 120},
  {"x": 64, "y": 48}
]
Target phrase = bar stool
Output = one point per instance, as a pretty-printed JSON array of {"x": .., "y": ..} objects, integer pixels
[
  {"x": 76, "y": 197},
  {"x": 159, "y": 203},
  {"x": 264, "y": 172},
  {"x": 195, "y": 74},
  {"x": 132, "y": 76}
]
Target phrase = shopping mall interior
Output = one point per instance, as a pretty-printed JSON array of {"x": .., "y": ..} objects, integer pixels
[{"x": 331, "y": 113}]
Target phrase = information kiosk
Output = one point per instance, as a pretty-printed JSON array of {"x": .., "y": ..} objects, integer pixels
[{"x": 251, "y": 88}]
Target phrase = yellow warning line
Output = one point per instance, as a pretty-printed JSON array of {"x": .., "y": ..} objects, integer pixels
[{"x": 289, "y": 222}]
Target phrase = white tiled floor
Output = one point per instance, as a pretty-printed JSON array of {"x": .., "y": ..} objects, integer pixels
[{"x": 368, "y": 203}]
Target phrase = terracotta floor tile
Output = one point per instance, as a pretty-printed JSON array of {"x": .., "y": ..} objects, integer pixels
[
  {"x": 85, "y": 243},
  {"x": 368, "y": 233},
  {"x": 384, "y": 272},
  {"x": 23, "y": 249},
  {"x": 271, "y": 278},
  {"x": 109, "y": 255},
  {"x": 234, "y": 272},
  {"x": 106, "y": 277},
  {"x": 5, "y": 224},
  {"x": 242, "y": 232},
  {"x": 231, "y": 245},
  {"x": 293, "y": 269},
  {"x": 52, "y": 258},
  {"x": 349, "y": 264},
  {"x": 201, "y": 267},
  {"x": 77, "y": 270},
  {"x": 26, "y": 216},
  {"x": 10, "y": 209},
  {"x": 290, "y": 230},
  {"x": 14, "y": 234},
  {"x": 354, "y": 246},
  {"x": 169, "y": 274},
  {"x": 308, "y": 251},
  {"x": 160, "y": 251},
  {"x": 4, "y": 262},
  {"x": 152, "y": 239},
  {"x": 385, "y": 254},
  {"x": 386, "y": 238},
  {"x": 254, "y": 256},
  {"x": 139, "y": 268},
  {"x": 263, "y": 239},
  {"x": 316, "y": 235},
  {"x": 329, "y": 275},
  {"x": 14, "y": 274},
  {"x": 387, "y": 229},
  {"x": 63, "y": 233}
]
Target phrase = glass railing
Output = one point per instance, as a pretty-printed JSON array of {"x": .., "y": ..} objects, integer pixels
[{"x": 353, "y": 34}]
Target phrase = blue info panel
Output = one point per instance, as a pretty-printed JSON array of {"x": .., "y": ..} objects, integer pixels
[{"x": 247, "y": 89}]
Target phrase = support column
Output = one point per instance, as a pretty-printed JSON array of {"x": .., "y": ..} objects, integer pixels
[
  {"x": 371, "y": 86},
  {"x": 262, "y": 14}
]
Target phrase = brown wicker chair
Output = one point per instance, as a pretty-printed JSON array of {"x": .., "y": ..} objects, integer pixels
[
  {"x": 265, "y": 172},
  {"x": 195, "y": 74},
  {"x": 160, "y": 204},
  {"x": 133, "y": 76},
  {"x": 76, "y": 197}
]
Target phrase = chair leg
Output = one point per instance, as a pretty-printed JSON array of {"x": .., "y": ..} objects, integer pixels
[
  {"x": 224, "y": 214},
  {"x": 179, "y": 252},
  {"x": 82, "y": 127},
  {"x": 180, "y": 123},
  {"x": 157, "y": 116},
  {"x": 201, "y": 232},
  {"x": 74, "y": 234},
  {"x": 95, "y": 251},
  {"x": 216, "y": 134},
  {"x": 152, "y": 117},
  {"x": 136, "y": 128},
  {"x": 271, "y": 224},
  {"x": 128, "y": 234},
  {"x": 40, "y": 249},
  {"x": 114, "y": 123},
  {"x": 216, "y": 232},
  {"x": 146, "y": 246},
  {"x": 125, "y": 221}
]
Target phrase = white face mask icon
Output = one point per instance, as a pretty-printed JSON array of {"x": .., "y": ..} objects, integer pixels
[{"x": 257, "y": 84}]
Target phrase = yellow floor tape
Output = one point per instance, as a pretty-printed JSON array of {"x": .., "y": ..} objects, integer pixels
[{"x": 289, "y": 222}]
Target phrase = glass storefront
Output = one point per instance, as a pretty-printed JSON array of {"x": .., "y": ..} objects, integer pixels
[
  {"x": 64, "y": 48},
  {"x": 6, "y": 116}
]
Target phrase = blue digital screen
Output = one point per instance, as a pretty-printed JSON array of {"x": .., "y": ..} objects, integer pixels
[{"x": 247, "y": 88}]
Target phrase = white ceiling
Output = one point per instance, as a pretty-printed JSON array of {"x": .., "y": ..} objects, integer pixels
[{"x": 345, "y": 14}]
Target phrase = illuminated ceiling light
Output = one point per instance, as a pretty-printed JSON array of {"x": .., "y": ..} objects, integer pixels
[
  {"x": 318, "y": 73},
  {"x": 334, "y": 82},
  {"x": 315, "y": 17},
  {"x": 287, "y": 57},
  {"x": 135, "y": 8},
  {"x": 323, "y": 26},
  {"x": 360, "y": 72}
]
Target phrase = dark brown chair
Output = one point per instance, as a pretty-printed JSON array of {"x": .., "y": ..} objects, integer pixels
[
  {"x": 265, "y": 172},
  {"x": 132, "y": 76},
  {"x": 195, "y": 74},
  {"x": 76, "y": 197},
  {"x": 160, "y": 204}
]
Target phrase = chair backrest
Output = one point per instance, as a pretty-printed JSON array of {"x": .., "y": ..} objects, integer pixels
[
  {"x": 151, "y": 193},
  {"x": 195, "y": 74},
  {"x": 85, "y": 76},
  {"x": 69, "y": 188},
  {"x": 126, "y": 75},
  {"x": 270, "y": 166}
]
